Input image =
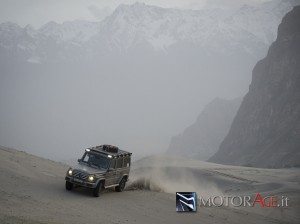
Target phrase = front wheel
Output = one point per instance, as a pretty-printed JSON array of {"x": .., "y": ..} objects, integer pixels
[
  {"x": 69, "y": 186},
  {"x": 121, "y": 186},
  {"x": 97, "y": 190}
]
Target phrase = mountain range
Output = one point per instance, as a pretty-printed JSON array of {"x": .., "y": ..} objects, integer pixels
[{"x": 248, "y": 30}]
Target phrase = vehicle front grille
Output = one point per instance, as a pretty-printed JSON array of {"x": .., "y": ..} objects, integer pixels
[{"x": 80, "y": 174}]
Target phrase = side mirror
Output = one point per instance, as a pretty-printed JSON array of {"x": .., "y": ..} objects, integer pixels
[{"x": 79, "y": 160}]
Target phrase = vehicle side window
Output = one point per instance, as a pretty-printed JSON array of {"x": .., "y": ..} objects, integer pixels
[
  {"x": 119, "y": 162},
  {"x": 127, "y": 161},
  {"x": 113, "y": 163}
]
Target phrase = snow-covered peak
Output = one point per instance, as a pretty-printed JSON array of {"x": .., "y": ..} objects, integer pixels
[
  {"x": 214, "y": 29},
  {"x": 78, "y": 30},
  {"x": 29, "y": 30},
  {"x": 9, "y": 25},
  {"x": 135, "y": 6},
  {"x": 9, "y": 28},
  {"x": 131, "y": 25},
  {"x": 138, "y": 12},
  {"x": 49, "y": 27},
  {"x": 9, "y": 34},
  {"x": 261, "y": 22}
]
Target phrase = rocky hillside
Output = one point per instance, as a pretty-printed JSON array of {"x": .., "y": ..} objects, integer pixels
[
  {"x": 203, "y": 138},
  {"x": 266, "y": 129}
]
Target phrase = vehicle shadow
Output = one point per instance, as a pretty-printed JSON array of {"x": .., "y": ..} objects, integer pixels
[{"x": 85, "y": 192}]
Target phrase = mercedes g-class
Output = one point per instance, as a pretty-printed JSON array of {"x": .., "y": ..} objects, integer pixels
[{"x": 100, "y": 167}]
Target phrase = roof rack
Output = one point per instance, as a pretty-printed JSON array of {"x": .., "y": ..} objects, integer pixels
[{"x": 111, "y": 150}]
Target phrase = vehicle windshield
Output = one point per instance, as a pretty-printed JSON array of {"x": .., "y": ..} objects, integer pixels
[{"x": 96, "y": 160}]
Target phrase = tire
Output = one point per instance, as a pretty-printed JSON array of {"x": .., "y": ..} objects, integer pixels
[
  {"x": 97, "y": 190},
  {"x": 121, "y": 186},
  {"x": 69, "y": 186}
]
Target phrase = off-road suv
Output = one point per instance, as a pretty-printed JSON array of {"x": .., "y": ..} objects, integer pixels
[{"x": 100, "y": 167}]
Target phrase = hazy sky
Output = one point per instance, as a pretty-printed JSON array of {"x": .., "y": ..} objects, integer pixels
[
  {"x": 137, "y": 101},
  {"x": 39, "y": 12}
]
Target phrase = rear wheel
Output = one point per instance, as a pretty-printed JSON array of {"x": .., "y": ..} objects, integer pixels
[
  {"x": 97, "y": 190},
  {"x": 121, "y": 186},
  {"x": 69, "y": 186}
]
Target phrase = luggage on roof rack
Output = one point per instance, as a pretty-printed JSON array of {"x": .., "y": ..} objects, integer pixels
[{"x": 110, "y": 148}]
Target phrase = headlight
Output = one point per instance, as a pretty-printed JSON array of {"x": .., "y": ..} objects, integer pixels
[
  {"x": 70, "y": 172},
  {"x": 91, "y": 178}
]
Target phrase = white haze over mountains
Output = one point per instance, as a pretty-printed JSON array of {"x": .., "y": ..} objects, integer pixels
[
  {"x": 134, "y": 79},
  {"x": 37, "y": 13}
]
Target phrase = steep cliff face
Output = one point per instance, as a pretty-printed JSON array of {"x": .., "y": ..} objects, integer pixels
[
  {"x": 266, "y": 129},
  {"x": 203, "y": 138}
]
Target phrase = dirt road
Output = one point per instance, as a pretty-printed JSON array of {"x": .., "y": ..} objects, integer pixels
[{"x": 32, "y": 191}]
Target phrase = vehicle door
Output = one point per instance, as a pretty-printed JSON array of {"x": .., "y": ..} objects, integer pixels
[
  {"x": 119, "y": 168},
  {"x": 111, "y": 173}
]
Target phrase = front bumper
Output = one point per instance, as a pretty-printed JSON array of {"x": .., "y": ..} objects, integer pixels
[{"x": 81, "y": 183}]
